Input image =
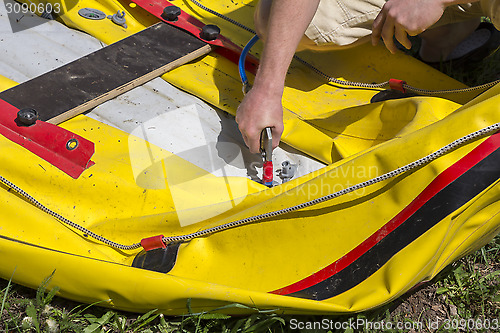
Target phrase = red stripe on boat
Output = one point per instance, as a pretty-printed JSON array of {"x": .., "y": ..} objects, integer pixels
[{"x": 439, "y": 183}]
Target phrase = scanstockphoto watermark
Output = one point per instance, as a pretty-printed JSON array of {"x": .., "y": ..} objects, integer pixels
[
  {"x": 339, "y": 180},
  {"x": 490, "y": 325},
  {"x": 355, "y": 325}
]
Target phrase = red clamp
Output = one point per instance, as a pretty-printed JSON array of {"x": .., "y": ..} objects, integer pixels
[
  {"x": 397, "y": 85},
  {"x": 267, "y": 173},
  {"x": 153, "y": 243}
]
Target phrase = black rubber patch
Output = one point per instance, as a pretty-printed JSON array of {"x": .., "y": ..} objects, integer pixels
[
  {"x": 389, "y": 94},
  {"x": 157, "y": 260}
]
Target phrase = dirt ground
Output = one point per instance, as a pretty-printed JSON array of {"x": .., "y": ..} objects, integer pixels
[{"x": 464, "y": 307}]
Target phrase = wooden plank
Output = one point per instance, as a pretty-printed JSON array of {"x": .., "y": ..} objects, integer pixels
[{"x": 102, "y": 75}]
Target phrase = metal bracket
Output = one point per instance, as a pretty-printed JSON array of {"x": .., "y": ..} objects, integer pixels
[
  {"x": 183, "y": 20},
  {"x": 63, "y": 149}
]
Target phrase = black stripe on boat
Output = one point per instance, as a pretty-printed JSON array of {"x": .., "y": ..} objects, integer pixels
[{"x": 450, "y": 198}]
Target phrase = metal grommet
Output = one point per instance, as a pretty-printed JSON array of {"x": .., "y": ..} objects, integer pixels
[{"x": 72, "y": 144}]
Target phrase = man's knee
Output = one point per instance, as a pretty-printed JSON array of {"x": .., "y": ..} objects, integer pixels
[{"x": 261, "y": 20}]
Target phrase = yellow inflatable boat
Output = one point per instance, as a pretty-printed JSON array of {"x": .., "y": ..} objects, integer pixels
[{"x": 373, "y": 194}]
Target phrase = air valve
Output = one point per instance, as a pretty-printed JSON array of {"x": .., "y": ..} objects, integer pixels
[{"x": 119, "y": 19}]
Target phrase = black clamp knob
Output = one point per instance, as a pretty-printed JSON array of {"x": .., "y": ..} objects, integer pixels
[
  {"x": 210, "y": 32},
  {"x": 26, "y": 117},
  {"x": 171, "y": 13}
]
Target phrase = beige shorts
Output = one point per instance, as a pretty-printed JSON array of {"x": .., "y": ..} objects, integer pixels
[{"x": 342, "y": 23}]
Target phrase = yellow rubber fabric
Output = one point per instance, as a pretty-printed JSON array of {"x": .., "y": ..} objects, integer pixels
[{"x": 358, "y": 139}]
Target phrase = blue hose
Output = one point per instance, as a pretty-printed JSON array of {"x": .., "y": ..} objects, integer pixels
[{"x": 241, "y": 62}]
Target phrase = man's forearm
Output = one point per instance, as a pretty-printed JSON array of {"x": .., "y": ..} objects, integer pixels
[
  {"x": 262, "y": 107},
  {"x": 286, "y": 26}
]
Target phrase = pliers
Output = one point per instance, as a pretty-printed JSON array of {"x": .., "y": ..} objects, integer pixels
[{"x": 266, "y": 149}]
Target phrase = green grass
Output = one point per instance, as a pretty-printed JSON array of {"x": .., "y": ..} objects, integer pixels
[{"x": 464, "y": 294}]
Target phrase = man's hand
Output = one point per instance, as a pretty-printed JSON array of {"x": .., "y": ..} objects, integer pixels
[
  {"x": 261, "y": 107},
  {"x": 258, "y": 110},
  {"x": 401, "y": 18}
]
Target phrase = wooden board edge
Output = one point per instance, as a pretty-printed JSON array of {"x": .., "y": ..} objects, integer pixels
[{"x": 131, "y": 85}]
